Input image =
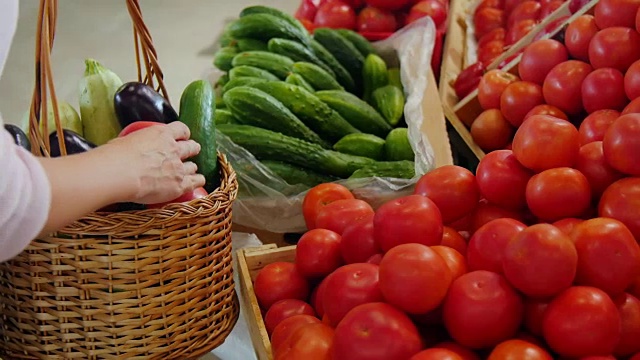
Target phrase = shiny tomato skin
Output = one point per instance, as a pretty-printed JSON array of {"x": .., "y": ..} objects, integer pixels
[
  {"x": 621, "y": 201},
  {"x": 604, "y": 243},
  {"x": 487, "y": 19},
  {"x": 498, "y": 4},
  {"x": 287, "y": 327},
  {"x": 491, "y": 131},
  {"x": 632, "y": 80},
  {"x": 482, "y": 309},
  {"x": 318, "y": 253},
  {"x": 567, "y": 225},
  {"x": 541, "y": 261},
  {"x": 502, "y": 179},
  {"x": 549, "y": 110},
  {"x": 285, "y": 309},
  {"x": 487, "y": 212},
  {"x": 594, "y": 126},
  {"x": 409, "y": 219},
  {"x": 582, "y": 321},
  {"x": 358, "y": 242},
  {"x": 517, "y": 349},
  {"x": 614, "y": 47},
  {"x": 435, "y": 9},
  {"x": 629, "y": 309},
  {"x": 137, "y": 125},
  {"x": 436, "y": 354},
  {"x": 633, "y": 107},
  {"x": 349, "y": 286},
  {"x": 452, "y": 188},
  {"x": 490, "y": 51},
  {"x": 493, "y": 35},
  {"x": 563, "y": 85},
  {"x": 621, "y": 140},
  {"x": 371, "y": 19},
  {"x": 339, "y": 214},
  {"x": 392, "y": 5},
  {"x": 539, "y": 58},
  {"x": 279, "y": 281},
  {"x": 453, "y": 239},
  {"x": 519, "y": 30},
  {"x": 533, "y": 314},
  {"x": 376, "y": 331},
  {"x": 306, "y": 11},
  {"x": 491, "y": 86},
  {"x": 592, "y": 164},
  {"x": 335, "y": 14},
  {"x": 550, "y": 7},
  {"x": 454, "y": 259},
  {"x": 526, "y": 10},
  {"x": 487, "y": 245},
  {"x": 310, "y": 342},
  {"x": 518, "y": 99},
  {"x": 458, "y": 349},
  {"x": 320, "y": 196},
  {"x": 375, "y": 259},
  {"x": 543, "y": 142},
  {"x": 558, "y": 193},
  {"x": 578, "y": 36},
  {"x": 414, "y": 278},
  {"x": 468, "y": 79},
  {"x": 638, "y": 30},
  {"x": 604, "y": 89},
  {"x": 611, "y": 13}
]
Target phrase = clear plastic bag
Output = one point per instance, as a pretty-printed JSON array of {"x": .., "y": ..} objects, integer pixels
[{"x": 267, "y": 202}]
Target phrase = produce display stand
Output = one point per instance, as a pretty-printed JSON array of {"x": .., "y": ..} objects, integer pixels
[{"x": 461, "y": 112}]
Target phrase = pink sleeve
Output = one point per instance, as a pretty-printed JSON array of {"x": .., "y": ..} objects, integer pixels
[{"x": 25, "y": 197}]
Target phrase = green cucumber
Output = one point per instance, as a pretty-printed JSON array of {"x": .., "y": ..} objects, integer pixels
[
  {"x": 197, "y": 111},
  {"x": 224, "y": 116},
  {"x": 316, "y": 76},
  {"x": 297, "y": 52},
  {"x": 269, "y": 145},
  {"x": 389, "y": 101},
  {"x": 295, "y": 79},
  {"x": 397, "y": 146},
  {"x": 366, "y": 145},
  {"x": 360, "y": 42},
  {"x": 223, "y": 58},
  {"x": 342, "y": 75},
  {"x": 251, "y": 45},
  {"x": 356, "y": 111},
  {"x": 242, "y": 81},
  {"x": 343, "y": 50},
  {"x": 294, "y": 175},
  {"x": 251, "y": 72},
  {"x": 263, "y": 26},
  {"x": 255, "y": 107},
  {"x": 312, "y": 111},
  {"x": 276, "y": 64},
  {"x": 404, "y": 169},
  {"x": 394, "y": 78},
  {"x": 374, "y": 75},
  {"x": 258, "y": 9},
  {"x": 225, "y": 38}
]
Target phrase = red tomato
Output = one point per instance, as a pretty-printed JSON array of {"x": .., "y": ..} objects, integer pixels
[
  {"x": 375, "y": 259},
  {"x": 567, "y": 225},
  {"x": 348, "y": 287},
  {"x": 604, "y": 89},
  {"x": 309, "y": 342},
  {"x": 558, "y": 193},
  {"x": 621, "y": 201},
  {"x": 578, "y": 36},
  {"x": 563, "y": 85},
  {"x": 545, "y": 109},
  {"x": 458, "y": 349},
  {"x": 493, "y": 35},
  {"x": 306, "y": 11},
  {"x": 318, "y": 253},
  {"x": 468, "y": 79},
  {"x": 518, "y": 99},
  {"x": 610, "y": 13},
  {"x": 482, "y": 310},
  {"x": 308, "y": 24},
  {"x": 582, "y": 321},
  {"x": 372, "y": 19},
  {"x": 339, "y": 214},
  {"x": 434, "y": 8},
  {"x": 539, "y": 58},
  {"x": 487, "y": 245},
  {"x": 502, "y": 179},
  {"x": 436, "y": 354},
  {"x": 285, "y": 309},
  {"x": 519, "y": 30},
  {"x": 544, "y": 142},
  {"x": 135, "y": 126},
  {"x": 592, "y": 164},
  {"x": 533, "y": 314},
  {"x": 633, "y": 107},
  {"x": 452, "y": 238},
  {"x": 491, "y": 87},
  {"x": 635, "y": 288},
  {"x": 409, "y": 219},
  {"x": 623, "y": 42},
  {"x": 498, "y": 4},
  {"x": 198, "y": 193},
  {"x": 317, "y": 298},
  {"x": 388, "y": 4},
  {"x": 320, "y": 196},
  {"x": 287, "y": 327},
  {"x": 638, "y": 29},
  {"x": 335, "y": 14},
  {"x": 452, "y": 188},
  {"x": 454, "y": 259},
  {"x": 549, "y": 8},
  {"x": 596, "y": 124},
  {"x": 509, "y": 5},
  {"x": 632, "y": 80},
  {"x": 629, "y": 310},
  {"x": 604, "y": 243},
  {"x": 279, "y": 281},
  {"x": 517, "y": 349},
  {"x": 358, "y": 243},
  {"x": 414, "y": 278},
  {"x": 540, "y": 261},
  {"x": 491, "y": 131},
  {"x": 487, "y": 212},
  {"x": 526, "y": 10},
  {"x": 487, "y": 19},
  {"x": 621, "y": 140},
  {"x": 490, "y": 51},
  {"x": 376, "y": 331}
]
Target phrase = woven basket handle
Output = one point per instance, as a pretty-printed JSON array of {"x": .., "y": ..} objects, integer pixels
[{"x": 44, "y": 86}]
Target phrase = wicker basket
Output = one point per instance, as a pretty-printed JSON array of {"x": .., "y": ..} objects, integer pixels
[{"x": 151, "y": 284}]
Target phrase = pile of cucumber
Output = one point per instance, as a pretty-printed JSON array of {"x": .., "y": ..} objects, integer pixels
[{"x": 312, "y": 109}]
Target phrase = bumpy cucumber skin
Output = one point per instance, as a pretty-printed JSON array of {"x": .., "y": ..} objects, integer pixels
[
  {"x": 343, "y": 50},
  {"x": 269, "y": 145},
  {"x": 360, "y": 42},
  {"x": 297, "y": 52},
  {"x": 252, "y": 72},
  {"x": 263, "y": 26},
  {"x": 404, "y": 169},
  {"x": 356, "y": 111},
  {"x": 259, "y": 9},
  {"x": 294, "y": 175},
  {"x": 342, "y": 75},
  {"x": 251, "y": 45},
  {"x": 395, "y": 78},
  {"x": 224, "y": 116},
  {"x": 276, "y": 64},
  {"x": 389, "y": 101},
  {"x": 397, "y": 146},
  {"x": 316, "y": 76},
  {"x": 325, "y": 121},
  {"x": 366, "y": 145},
  {"x": 243, "y": 81},
  {"x": 255, "y": 107},
  {"x": 223, "y": 58},
  {"x": 374, "y": 76},
  {"x": 295, "y": 79}
]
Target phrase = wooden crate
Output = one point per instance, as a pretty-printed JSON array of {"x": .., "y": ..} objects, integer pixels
[
  {"x": 250, "y": 262},
  {"x": 461, "y": 112}
]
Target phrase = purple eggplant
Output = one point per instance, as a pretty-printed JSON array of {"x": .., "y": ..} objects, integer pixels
[
  {"x": 135, "y": 101},
  {"x": 74, "y": 143},
  {"x": 18, "y": 136}
]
